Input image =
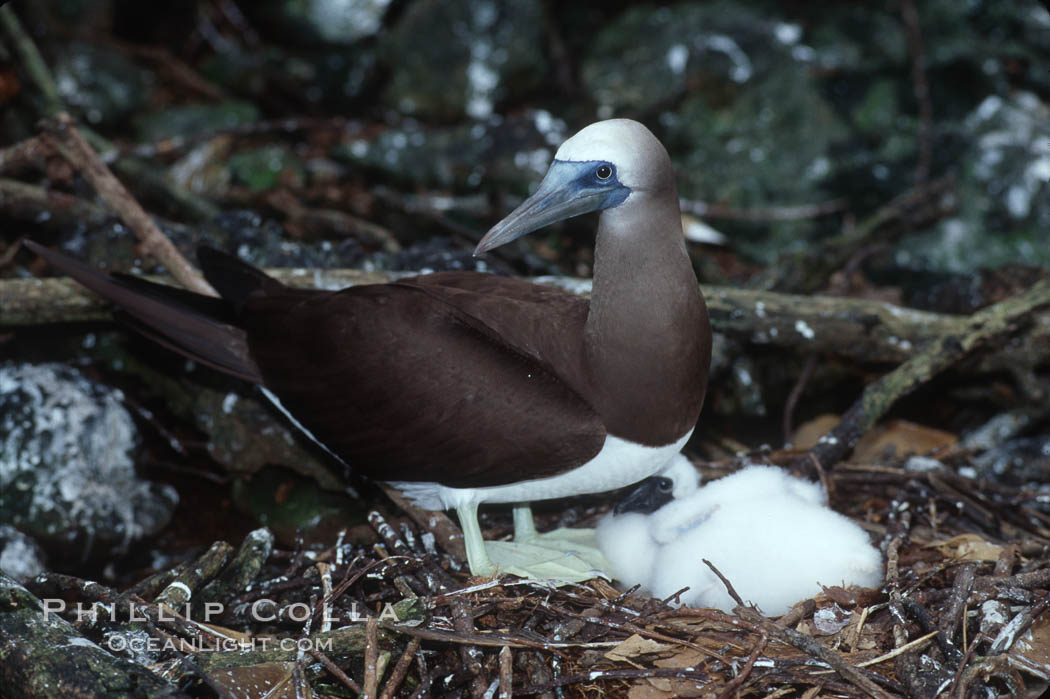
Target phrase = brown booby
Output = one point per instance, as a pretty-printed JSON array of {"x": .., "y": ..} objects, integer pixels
[{"x": 463, "y": 388}]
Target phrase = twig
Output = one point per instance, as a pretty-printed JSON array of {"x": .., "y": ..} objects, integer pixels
[
  {"x": 48, "y": 207},
  {"x": 63, "y": 135},
  {"x": 796, "y": 393},
  {"x": 426, "y": 678},
  {"x": 468, "y": 654},
  {"x": 371, "y": 683},
  {"x": 506, "y": 673},
  {"x": 800, "y": 611},
  {"x": 729, "y": 586},
  {"x": 397, "y": 675},
  {"x": 447, "y": 534},
  {"x": 953, "y": 688},
  {"x": 911, "y": 645},
  {"x": 174, "y": 144},
  {"x": 730, "y": 688},
  {"x": 672, "y": 673},
  {"x": 302, "y": 220},
  {"x": 31, "y": 150},
  {"x": 336, "y": 671},
  {"x": 31, "y": 60},
  {"x": 325, "y": 571},
  {"x": 957, "y": 602},
  {"x": 206, "y": 567}
]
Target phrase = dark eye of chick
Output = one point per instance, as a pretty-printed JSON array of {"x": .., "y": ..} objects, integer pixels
[
  {"x": 603, "y": 172},
  {"x": 665, "y": 485}
]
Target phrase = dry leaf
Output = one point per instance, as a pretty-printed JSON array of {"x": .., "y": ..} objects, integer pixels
[
  {"x": 646, "y": 689},
  {"x": 634, "y": 647},
  {"x": 967, "y": 547},
  {"x": 900, "y": 438},
  {"x": 258, "y": 681},
  {"x": 809, "y": 433}
]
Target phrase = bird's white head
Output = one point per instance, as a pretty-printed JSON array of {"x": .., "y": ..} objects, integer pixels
[
  {"x": 599, "y": 168},
  {"x": 638, "y": 160}
]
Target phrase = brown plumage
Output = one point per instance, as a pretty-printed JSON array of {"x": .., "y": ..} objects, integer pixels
[{"x": 473, "y": 382}]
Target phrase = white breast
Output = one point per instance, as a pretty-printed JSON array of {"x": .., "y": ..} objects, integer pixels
[{"x": 619, "y": 463}]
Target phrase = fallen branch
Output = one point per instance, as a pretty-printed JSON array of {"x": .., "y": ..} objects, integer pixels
[
  {"x": 48, "y": 208},
  {"x": 975, "y": 331},
  {"x": 861, "y": 329}
]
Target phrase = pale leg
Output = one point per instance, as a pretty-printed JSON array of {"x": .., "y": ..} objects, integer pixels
[
  {"x": 477, "y": 557},
  {"x": 552, "y": 556},
  {"x": 524, "y": 526}
]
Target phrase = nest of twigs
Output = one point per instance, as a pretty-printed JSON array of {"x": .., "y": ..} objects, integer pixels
[{"x": 386, "y": 612}]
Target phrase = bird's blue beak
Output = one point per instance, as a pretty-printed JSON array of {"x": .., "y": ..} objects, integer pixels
[{"x": 568, "y": 189}]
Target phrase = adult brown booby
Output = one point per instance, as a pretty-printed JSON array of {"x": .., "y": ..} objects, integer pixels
[{"x": 462, "y": 388}]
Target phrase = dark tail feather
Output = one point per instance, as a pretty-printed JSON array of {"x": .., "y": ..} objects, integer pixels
[
  {"x": 235, "y": 280},
  {"x": 199, "y": 327}
]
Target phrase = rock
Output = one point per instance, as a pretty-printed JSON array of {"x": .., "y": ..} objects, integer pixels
[
  {"x": 338, "y": 79},
  {"x": 741, "y": 111},
  {"x": 67, "y": 472},
  {"x": 20, "y": 556},
  {"x": 104, "y": 85},
  {"x": 1004, "y": 192},
  {"x": 341, "y": 22},
  {"x": 512, "y": 152},
  {"x": 725, "y": 153},
  {"x": 489, "y": 52}
]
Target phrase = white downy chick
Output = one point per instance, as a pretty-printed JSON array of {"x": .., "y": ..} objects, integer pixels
[
  {"x": 627, "y": 545},
  {"x": 625, "y": 537},
  {"x": 775, "y": 551},
  {"x": 769, "y": 533},
  {"x": 752, "y": 483}
]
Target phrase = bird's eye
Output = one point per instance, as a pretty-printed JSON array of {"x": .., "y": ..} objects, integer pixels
[
  {"x": 665, "y": 485},
  {"x": 603, "y": 172}
]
